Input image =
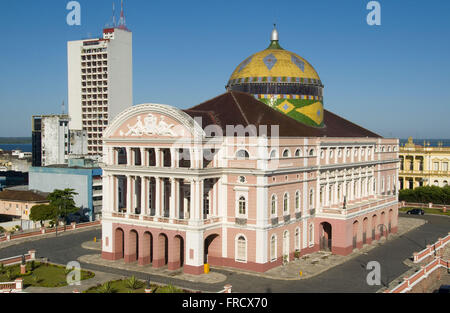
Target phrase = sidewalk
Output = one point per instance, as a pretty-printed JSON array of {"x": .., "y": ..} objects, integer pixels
[
  {"x": 6, "y": 244},
  {"x": 318, "y": 262}
]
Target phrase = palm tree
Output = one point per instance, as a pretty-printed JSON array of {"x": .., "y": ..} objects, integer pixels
[{"x": 106, "y": 288}]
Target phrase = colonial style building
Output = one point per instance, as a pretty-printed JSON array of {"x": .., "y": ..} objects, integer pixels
[
  {"x": 246, "y": 179},
  {"x": 423, "y": 165}
]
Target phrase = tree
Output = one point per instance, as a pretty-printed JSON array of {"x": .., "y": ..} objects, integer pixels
[
  {"x": 42, "y": 212},
  {"x": 63, "y": 202}
]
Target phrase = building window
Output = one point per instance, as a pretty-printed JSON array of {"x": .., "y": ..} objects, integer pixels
[
  {"x": 297, "y": 200},
  {"x": 311, "y": 234},
  {"x": 273, "y": 248},
  {"x": 274, "y": 205},
  {"x": 242, "y": 205},
  {"x": 311, "y": 152},
  {"x": 286, "y": 153},
  {"x": 311, "y": 198},
  {"x": 297, "y": 239},
  {"x": 436, "y": 166},
  {"x": 445, "y": 166},
  {"x": 242, "y": 154},
  {"x": 241, "y": 249},
  {"x": 273, "y": 154},
  {"x": 321, "y": 195},
  {"x": 286, "y": 203},
  {"x": 298, "y": 153}
]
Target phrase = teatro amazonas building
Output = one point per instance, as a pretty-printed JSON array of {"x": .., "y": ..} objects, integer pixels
[{"x": 250, "y": 179}]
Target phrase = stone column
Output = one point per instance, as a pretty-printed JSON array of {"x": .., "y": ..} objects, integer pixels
[
  {"x": 144, "y": 195},
  {"x": 172, "y": 157},
  {"x": 158, "y": 197},
  {"x": 172, "y": 206},
  {"x": 177, "y": 198},
  {"x": 144, "y": 159},
  {"x": 129, "y": 194},
  {"x": 158, "y": 157},
  {"x": 129, "y": 156},
  {"x": 192, "y": 200}
]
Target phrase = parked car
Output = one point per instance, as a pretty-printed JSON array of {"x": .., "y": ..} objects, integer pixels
[{"x": 416, "y": 212}]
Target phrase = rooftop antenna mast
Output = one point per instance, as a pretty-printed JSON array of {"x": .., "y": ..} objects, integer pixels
[
  {"x": 122, "y": 23},
  {"x": 63, "y": 107},
  {"x": 114, "y": 15}
]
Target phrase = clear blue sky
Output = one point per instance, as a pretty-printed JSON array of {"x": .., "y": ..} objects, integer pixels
[{"x": 393, "y": 79}]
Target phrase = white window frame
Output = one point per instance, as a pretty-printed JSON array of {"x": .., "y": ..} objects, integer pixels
[
  {"x": 273, "y": 248},
  {"x": 298, "y": 201},
  {"x": 297, "y": 239},
  {"x": 311, "y": 234},
  {"x": 236, "y": 249},
  {"x": 286, "y": 203},
  {"x": 272, "y": 198}
]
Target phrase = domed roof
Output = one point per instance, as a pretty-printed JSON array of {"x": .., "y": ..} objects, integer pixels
[
  {"x": 275, "y": 64},
  {"x": 282, "y": 80}
]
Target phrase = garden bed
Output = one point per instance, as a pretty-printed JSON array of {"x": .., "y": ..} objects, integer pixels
[
  {"x": 132, "y": 285},
  {"x": 40, "y": 275}
]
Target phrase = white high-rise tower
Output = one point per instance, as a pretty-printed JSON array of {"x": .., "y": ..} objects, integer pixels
[{"x": 100, "y": 78}]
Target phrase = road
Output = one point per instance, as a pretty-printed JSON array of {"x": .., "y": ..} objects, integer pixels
[{"x": 349, "y": 277}]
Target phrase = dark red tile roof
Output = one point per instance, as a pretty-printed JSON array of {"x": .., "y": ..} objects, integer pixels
[
  {"x": 238, "y": 108},
  {"x": 19, "y": 195}
]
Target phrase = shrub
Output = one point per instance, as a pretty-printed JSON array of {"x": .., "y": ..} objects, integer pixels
[
  {"x": 106, "y": 288},
  {"x": 132, "y": 283}
]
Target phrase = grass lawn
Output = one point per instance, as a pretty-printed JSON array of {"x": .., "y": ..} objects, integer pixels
[
  {"x": 42, "y": 275},
  {"x": 428, "y": 210},
  {"x": 123, "y": 286}
]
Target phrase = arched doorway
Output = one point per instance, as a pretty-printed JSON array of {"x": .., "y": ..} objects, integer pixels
[
  {"x": 132, "y": 253},
  {"x": 164, "y": 248},
  {"x": 355, "y": 234},
  {"x": 147, "y": 249},
  {"x": 382, "y": 225},
  {"x": 374, "y": 226},
  {"x": 179, "y": 243},
  {"x": 391, "y": 215},
  {"x": 119, "y": 249},
  {"x": 211, "y": 248},
  {"x": 325, "y": 236},
  {"x": 364, "y": 235}
]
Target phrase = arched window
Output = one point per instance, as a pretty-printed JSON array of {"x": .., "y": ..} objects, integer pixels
[
  {"x": 242, "y": 154},
  {"x": 298, "y": 152},
  {"x": 311, "y": 152},
  {"x": 274, "y": 205},
  {"x": 311, "y": 198},
  {"x": 273, "y": 248},
  {"x": 286, "y": 153},
  {"x": 242, "y": 205},
  {"x": 297, "y": 239},
  {"x": 273, "y": 154},
  {"x": 321, "y": 195},
  {"x": 297, "y": 200},
  {"x": 311, "y": 234},
  {"x": 241, "y": 249},
  {"x": 286, "y": 203}
]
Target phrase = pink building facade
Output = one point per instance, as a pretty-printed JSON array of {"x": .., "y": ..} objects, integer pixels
[{"x": 182, "y": 190}]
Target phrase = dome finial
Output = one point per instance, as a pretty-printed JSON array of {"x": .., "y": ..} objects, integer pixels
[{"x": 274, "y": 33}]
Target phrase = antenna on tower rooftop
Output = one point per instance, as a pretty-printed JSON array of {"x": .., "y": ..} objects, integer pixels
[
  {"x": 122, "y": 23},
  {"x": 114, "y": 15},
  {"x": 63, "y": 107}
]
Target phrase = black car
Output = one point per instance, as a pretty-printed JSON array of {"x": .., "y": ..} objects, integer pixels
[
  {"x": 416, "y": 212},
  {"x": 444, "y": 289}
]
